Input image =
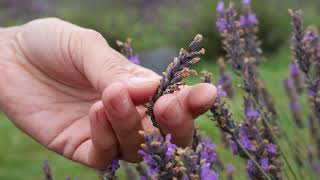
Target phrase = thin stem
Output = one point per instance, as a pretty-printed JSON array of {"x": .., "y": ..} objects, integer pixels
[{"x": 254, "y": 161}]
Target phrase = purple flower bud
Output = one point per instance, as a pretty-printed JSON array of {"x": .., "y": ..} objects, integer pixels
[
  {"x": 251, "y": 114},
  {"x": 246, "y": 2},
  {"x": 230, "y": 169},
  {"x": 134, "y": 59},
  {"x": 309, "y": 36},
  {"x": 295, "y": 105},
  {"x": 250, "y": 168},
  {"x": 115, "y": 164},
  {"x": 243, "y": 21},
  {"x": 244, "y": 139},
  {"x": 234, "y": 147},
  {"x": 171, "y": 148},
  {"x": 312, "y": 93},
  {"x": 208, "y": 153},
  {"x": 272, "y": 149},
  {"x": 294, "y": 70},
  {"x": 206, "y": 173},
  {"x": 221, "y": 92},
  {"x": 264, "y": 164},
  {"x": 220, "y": 7},
  {"x": 252, "y": 19},
  {"x": 221, "y": 24}
]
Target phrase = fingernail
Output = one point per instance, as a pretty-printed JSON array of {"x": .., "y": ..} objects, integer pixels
[
  {"x": 120, "y": 103},
  {"x": 172, "y": 115}
]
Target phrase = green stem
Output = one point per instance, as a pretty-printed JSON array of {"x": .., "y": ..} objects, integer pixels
[{"x": 254, "y": 161}]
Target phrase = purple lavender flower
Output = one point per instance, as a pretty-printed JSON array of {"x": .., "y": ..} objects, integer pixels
[
  {"x": 230, "y": 169},
  {"x": 250, "y": 168},
  {"x": 244, "y": 139},
  {"x": 208, "y": 153},
  {"x": 272, "y": 149},
  {"x": 220, "y": 7},
  {"x": 246, "y": 2},
  {"x": 296, "y": 77},
  {"x": 171, "y": 148},
  {"x": 110, "y": 171},
  {"x": 135, "y": 59},
  {"x": 206, "y": 173},
  {"x": 221, "y": 92},
  {"x": 250, "y": 112},
  {"x": 265, "y": 164},
  {"x": 250, "y": 20},
  {"x": 234, "y": 147},
  {"x": 294, "y": 102},
  {"x": 294, "y": 70}
]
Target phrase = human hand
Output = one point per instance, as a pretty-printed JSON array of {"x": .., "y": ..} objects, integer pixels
[{"x": 66, "y": 88}]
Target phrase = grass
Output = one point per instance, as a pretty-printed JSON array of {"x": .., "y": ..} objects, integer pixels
[{"x": 21, "y": 157}]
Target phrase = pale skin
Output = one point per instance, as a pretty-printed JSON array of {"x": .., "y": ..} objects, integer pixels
[{"x": 67, "y": 89}]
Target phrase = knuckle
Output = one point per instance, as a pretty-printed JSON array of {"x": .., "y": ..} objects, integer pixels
[{"x": 92, "y": 36}]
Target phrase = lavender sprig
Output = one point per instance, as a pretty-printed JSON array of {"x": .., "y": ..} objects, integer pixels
[
  {"x": 239, "y": 141},
  {"x": 158, "y": 154},
  {"x": 176, "y": 71},
  {"x": 228, "y": 28},
  {"x": 248, "y": 23},
  {"x": 300, "y": 55}
]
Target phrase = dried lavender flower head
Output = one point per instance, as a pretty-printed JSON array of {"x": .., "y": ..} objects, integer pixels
[{"x": 176, "y": 72}]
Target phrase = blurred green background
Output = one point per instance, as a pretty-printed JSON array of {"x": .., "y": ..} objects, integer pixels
[{"x": 158, "y": 28}]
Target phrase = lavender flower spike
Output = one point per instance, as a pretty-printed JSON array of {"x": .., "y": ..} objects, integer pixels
[{"x": 175, "y": 73}]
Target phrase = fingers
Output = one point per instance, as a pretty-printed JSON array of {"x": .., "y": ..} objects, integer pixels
[
  {"x": 176, "y": 112},
  {"x": 124, "y": 119},
  {"x": 103, "y": 138}
]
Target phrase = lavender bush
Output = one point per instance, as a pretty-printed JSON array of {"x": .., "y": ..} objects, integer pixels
[{"x": 258, "y": 137}]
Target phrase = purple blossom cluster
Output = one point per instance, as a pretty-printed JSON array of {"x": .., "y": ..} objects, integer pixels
[{"x": 165, "y": 160}]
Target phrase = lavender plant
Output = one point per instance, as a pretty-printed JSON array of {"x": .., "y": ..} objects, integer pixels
[{"x": 255, "y": 136}]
